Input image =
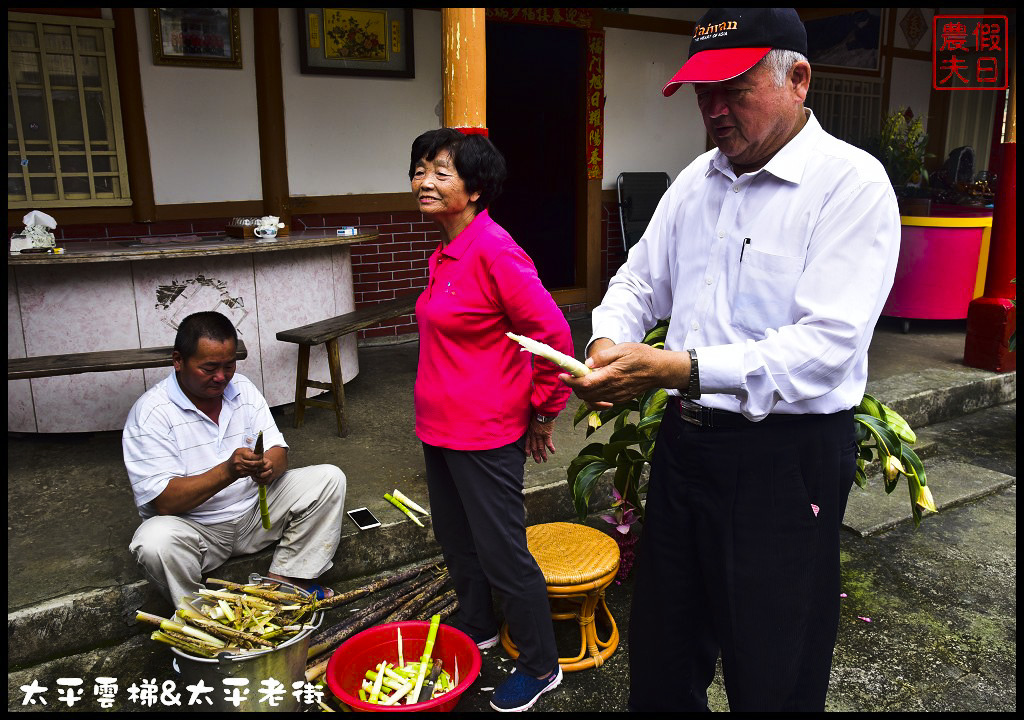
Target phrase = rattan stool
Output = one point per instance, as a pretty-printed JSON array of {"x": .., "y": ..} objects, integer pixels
[{"x": 578, "y": 563}]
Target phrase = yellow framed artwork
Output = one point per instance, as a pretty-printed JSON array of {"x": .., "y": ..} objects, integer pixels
[{"x": 356, "y": 41}]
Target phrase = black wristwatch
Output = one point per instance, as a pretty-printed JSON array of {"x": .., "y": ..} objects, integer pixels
[
  {"x": 693, "y": 387},
  {"x": 544, "y": 419}
]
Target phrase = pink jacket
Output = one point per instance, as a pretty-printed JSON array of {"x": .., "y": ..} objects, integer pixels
[{"x": 474, "y": 389}]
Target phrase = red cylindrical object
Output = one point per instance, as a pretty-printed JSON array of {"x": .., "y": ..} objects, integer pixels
[
  {"x": 992, "y": 318},
  {"x": 1002, "y": 254}
]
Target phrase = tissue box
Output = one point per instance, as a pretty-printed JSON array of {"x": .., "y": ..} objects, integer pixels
[{"x": 21, "y": 242}]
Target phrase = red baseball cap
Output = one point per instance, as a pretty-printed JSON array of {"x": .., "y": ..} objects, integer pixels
[{"x": 729, "y": 41}]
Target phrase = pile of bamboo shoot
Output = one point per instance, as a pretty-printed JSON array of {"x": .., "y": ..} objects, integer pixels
[
  {"x": 240, "y": 619},
  {"x": 249, "y": 618},
  {"x": 418, "y": 593},
  {"x": 388, "y": 683}
]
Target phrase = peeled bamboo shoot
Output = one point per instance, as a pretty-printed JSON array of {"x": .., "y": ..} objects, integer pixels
[
  {"x": 570, "y": 364},
  {"x": 435, "y": 622},
  {"x": 398, "y": 504},
  {"x": 401, "y": 497}
]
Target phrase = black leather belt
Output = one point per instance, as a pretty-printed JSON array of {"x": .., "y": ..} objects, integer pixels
[{"x": 706, "y": 417}]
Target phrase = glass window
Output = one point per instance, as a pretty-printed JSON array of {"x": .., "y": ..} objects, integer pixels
[
  {"x": 65, "y": 145},
  {"x": 849, "y": 108}
]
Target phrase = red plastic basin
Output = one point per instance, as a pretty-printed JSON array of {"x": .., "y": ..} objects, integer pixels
[{"x": 362, "y": 652}]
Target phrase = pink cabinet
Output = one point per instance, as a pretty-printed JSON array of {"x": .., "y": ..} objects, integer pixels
[{"x": 941, "y": 267}]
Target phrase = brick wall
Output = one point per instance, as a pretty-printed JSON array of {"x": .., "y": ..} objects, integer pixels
[
  {"x": 613, "y": 254},
  {"x": 394, "y": 265}
]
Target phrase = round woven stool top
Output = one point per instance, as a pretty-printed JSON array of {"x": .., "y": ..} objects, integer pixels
[{"x": 571, "y": 554}]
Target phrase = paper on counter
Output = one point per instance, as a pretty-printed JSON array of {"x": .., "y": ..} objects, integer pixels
[{"x": 40, "y": 218}]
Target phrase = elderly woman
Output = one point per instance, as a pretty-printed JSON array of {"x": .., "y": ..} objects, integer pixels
[{"x": 482, "y": 406}]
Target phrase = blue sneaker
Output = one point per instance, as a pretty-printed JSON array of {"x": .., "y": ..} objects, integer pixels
[
  {"x": 520, "y": 691},
  {"x": 320, "y": 592}
]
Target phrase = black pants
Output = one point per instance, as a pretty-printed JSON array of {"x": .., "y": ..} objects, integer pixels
[
  {"x": 478, "y": 516},
  {"x": 735, "y": 560}
]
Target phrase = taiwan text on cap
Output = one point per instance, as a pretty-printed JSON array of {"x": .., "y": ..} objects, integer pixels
[{"x": 729, "y": 41}]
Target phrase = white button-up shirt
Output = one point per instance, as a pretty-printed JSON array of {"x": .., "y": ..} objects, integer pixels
[
  {"x": 166, "y": 436},
  {"x": 776, "y": 277}
]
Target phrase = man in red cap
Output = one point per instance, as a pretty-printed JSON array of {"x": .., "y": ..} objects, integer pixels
[{"x": 773, "y": 256}]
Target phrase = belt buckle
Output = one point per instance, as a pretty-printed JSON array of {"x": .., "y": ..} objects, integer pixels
[{"x": 690, "y": 412}]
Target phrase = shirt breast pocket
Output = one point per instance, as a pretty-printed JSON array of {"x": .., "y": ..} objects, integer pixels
[{"x": 764, "y": 291}]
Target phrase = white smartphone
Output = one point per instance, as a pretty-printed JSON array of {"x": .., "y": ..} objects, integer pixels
[{"x": 363, "y": 518}]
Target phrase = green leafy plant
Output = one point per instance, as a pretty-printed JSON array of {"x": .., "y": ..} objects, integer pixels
[
  {"x": 901, "y": 148},
  {"x": 628, "y": 451},
  {"x": 882, "y": 436}
]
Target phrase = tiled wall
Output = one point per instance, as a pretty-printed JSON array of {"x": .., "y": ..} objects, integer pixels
[{"x": 395, "y": 264}]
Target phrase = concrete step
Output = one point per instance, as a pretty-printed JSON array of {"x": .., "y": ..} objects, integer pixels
[
  {"x": 74, "y": 625},
  {"x": 935, "y": 395},
  {"x": 960, "y": 463},
  {"x": 870, "y": 511}
]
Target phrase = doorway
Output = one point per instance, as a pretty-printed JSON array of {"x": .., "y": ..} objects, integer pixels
[{"x": 535, "y": 83}]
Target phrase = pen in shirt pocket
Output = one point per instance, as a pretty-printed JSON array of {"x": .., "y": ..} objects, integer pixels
[{"x": 743, "y": 248}]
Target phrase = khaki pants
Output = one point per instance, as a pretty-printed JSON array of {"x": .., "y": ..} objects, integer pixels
[{"x": 306, "y": 509}]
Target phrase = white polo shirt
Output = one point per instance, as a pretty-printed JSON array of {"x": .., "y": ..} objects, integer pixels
[
  {"x": 166, "y": 436},
  {"x": 776, "y": 277}
]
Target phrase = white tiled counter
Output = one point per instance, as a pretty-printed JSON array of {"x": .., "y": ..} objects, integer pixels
[{"x": 109, "y": 296}]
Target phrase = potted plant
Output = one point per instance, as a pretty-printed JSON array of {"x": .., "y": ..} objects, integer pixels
[
  {"x": 882, "y": 435},
  {"x": 901, "y": 148},
  {"x": 628, "y": 451}
]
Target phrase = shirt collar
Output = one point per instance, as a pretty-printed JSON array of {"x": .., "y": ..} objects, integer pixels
[
  {"x": 462, "y": 242},
  {"x": 179, "y": 398},
  {"x": 789, "y": 162}
]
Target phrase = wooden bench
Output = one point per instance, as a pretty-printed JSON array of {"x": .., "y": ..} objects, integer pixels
[
  {"x": 329, "y": 332},
  {"x": 106, "y": 361}
]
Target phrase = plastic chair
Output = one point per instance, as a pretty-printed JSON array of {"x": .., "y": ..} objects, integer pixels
[{"x": 639, "y": 193}]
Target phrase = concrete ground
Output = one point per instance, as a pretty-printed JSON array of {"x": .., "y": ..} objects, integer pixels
[{"x": 941, "y": 598}]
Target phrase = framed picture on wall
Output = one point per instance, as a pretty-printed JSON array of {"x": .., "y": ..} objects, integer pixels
[
  {"x": 374, "y": 42},
  {"x": 196, "y": 37},
  {"x": 848, "y": 42}
]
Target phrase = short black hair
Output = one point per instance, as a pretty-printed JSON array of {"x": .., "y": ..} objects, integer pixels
[
  {"x": 211, "y": 325},
  {"x": 480, "y": 165}
]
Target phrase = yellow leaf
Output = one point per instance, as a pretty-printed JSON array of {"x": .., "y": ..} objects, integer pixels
[
  {"x": 893, "y": 467},
  {"x": 925, "y": 499}
]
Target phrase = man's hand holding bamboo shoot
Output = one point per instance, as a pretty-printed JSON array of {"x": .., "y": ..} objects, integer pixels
[
  {"x": 620, "y": 372},
  {"x": 183, "y": 494},
  {"x": 262, "y": 468},
  {"x": 270, "y": 467}
]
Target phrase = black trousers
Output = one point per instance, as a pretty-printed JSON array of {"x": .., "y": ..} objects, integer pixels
[
  {"x": 478, "y": 516},
  {"x": 739, "y": 556}
]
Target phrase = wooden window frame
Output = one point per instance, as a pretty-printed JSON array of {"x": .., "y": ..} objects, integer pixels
[{"x": 111, "y": 100}]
